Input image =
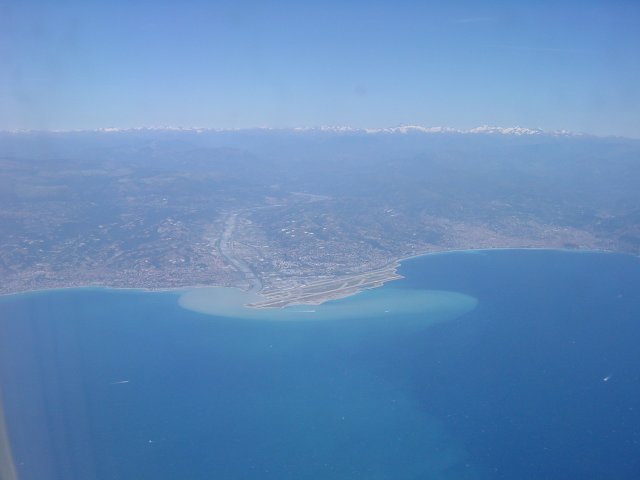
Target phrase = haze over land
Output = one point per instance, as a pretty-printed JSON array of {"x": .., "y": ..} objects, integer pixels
[
  {"x": 273, "y": 209},
  {"x": 179, "y": 146}
]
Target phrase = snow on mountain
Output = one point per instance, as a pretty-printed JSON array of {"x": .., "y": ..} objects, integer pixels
[{"x": 401, "y": 129}]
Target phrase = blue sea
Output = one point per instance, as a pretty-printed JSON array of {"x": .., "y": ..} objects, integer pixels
[{"x": 505, "y": 364}]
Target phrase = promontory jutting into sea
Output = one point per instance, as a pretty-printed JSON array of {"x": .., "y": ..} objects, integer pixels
[
  {"x": 301, "y": 215},
  {"x": 337, "y": 303},
  {"x": 440, "y": 283},
  {"x": 473, "y": 363}
]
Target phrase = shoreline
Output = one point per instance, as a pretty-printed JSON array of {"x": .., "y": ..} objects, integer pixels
[
  {"x": 395, "y": 264},
  {"x": 493, "y": 249}
]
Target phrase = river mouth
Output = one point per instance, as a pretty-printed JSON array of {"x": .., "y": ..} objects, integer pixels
[
  {"x": 432, "y": 306},
  {"x": 225, "y": 246}
]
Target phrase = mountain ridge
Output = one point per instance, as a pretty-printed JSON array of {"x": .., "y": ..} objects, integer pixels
[{"x": 400, "y": 129}]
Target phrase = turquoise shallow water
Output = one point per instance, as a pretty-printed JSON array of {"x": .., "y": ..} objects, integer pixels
[
  {"x": 432, "y": 306},
  {"x": 504, "y": 364}
]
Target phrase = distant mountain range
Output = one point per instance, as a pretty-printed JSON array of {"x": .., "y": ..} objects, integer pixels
[
  {"x": 282, "y": 208},
  {"x": 400, "y": 129}
]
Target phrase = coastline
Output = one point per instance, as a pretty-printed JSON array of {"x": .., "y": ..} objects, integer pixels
[
  {"x": 392, "y": 267},
  {"x": 493, "y": 249}
]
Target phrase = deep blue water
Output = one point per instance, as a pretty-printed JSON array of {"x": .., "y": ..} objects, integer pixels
[{"x": 540, "y": 381}]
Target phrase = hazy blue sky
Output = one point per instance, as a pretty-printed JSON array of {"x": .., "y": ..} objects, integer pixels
[{"x": 548, "y": 64}]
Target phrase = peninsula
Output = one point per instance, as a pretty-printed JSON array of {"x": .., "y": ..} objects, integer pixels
[{"x": 300, "y": 216}]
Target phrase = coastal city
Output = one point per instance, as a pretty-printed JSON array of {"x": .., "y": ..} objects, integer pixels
[{"x": 294, "y": 225}]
